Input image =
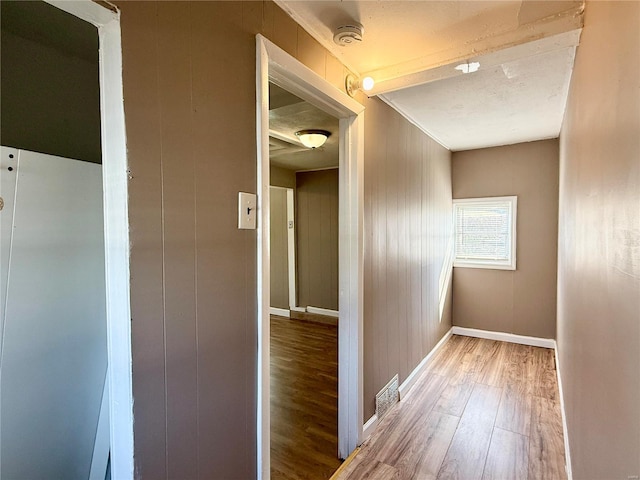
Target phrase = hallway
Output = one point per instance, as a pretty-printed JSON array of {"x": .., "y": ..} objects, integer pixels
[
  {"x": 482, "y": 409},
  {"x": 304, "y": 399}
]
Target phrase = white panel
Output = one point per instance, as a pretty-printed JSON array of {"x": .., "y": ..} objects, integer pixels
[
  {"x": 8, "y": 165},
  {"x": 54, "y": 359}
]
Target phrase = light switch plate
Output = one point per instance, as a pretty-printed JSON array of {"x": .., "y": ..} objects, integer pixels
[{"x": 246, "y": 211}]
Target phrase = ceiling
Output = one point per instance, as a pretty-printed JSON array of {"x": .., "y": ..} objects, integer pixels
[
  {"x": 525, "y": 49},
  {"x": 289, "y": 114}
]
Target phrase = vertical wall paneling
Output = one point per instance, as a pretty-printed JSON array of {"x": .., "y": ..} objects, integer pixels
[
  {"x": 178, "y": 223},
  {"x": 193, "y": 273},
  {"x": 142, "y": 115},
  {"x": 408, "y": 202},
  {"x": 317, "y": 238}
]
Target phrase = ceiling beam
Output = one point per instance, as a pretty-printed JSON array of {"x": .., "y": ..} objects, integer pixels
[{"x": 488, "y": 60}]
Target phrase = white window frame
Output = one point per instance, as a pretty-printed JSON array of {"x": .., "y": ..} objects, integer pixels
[{"x": 488, "y": 264}]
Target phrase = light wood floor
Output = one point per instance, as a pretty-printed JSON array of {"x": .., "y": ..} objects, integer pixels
[
  {"x": 482, "y": 410},
  {"x": 304, "y": 399}
]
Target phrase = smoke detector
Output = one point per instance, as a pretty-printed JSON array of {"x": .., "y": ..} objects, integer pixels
[{"x": 345, "y": 35}]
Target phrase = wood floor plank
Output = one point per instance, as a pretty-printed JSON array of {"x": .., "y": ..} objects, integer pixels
[
  {"x": 406, "y": 425},
  {"x": 503, "y": 431},
  {"x": 492, "y": 369},
  {"x": 507, "y": 457},
  {"x": 514, "y": 413},
  {"x": 370, "y": 470},
  {"x": 455, "y": 397},
  {"x": 468, "y": 451},
  {"x": 304, "y": 400},
  {"x": 545, "y": 384},
  {"x": 424, "y": 457},
  {"x": 546, "y": 442}
]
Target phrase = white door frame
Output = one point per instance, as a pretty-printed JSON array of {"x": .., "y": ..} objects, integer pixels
[
  {"x": 116, "y": 228},
  {"x": 291, "y": 245},
  {"x": 275, "y": 65}
]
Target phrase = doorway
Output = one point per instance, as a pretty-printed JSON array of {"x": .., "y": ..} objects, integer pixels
[
  {"x": 116, "y": 229},
  {"x": 303, "y": 233},
  {"x": 274, "y": 65}
]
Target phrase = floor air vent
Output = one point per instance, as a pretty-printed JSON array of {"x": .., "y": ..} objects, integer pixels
[{"x": 387, "y": 397}]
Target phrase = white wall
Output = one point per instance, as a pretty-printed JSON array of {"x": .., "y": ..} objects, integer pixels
[{"x": 54, "y": 355}]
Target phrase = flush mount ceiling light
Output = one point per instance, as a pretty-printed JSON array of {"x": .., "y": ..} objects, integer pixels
[
  {"x": 351, "y": 84},
  {"x": 313, "y": 138},
  {"x": 468, "y": 67}
]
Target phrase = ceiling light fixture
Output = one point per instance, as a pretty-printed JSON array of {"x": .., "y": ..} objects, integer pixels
[
  {"x": 351, "y": 84},
  {"x": 468, "y": 67},
  {"x": 313, "y": 138}
]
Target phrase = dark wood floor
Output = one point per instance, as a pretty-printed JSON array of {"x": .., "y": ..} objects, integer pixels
[
  {"x": 482, "y": 410},
  {"x": 304, "y": 399}
]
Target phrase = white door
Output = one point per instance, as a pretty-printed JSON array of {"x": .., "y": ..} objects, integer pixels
[{"x": 54, "y": 337}]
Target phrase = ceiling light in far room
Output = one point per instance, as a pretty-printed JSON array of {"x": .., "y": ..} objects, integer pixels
[
  {"x": 313, "y": 138},
  {"x": 468, "y": 67},
  {"x": 351, "y": 84}
]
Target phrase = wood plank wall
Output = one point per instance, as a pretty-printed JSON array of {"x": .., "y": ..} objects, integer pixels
[
  {"x": 189, "y": 94},
  {"x": 317, "y": 238},
  {"x": 189, "y": 97},
  {"x": 407, "y": 228}
]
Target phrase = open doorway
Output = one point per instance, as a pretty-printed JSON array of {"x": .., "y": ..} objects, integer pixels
[
  {"x": 47, "y": 184},
  {"x": 279, "y": 68},
  {"x": 303, "y": 234}
]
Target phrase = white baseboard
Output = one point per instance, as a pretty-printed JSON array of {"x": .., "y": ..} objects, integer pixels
[
  {"x": 565, "y": 429},
  {"x": 282, "y": 312},
  {"x": 323, "y": 311},
  {"x": 505, "y": 337},
  {"x": 369, "y": 427},
  {"x": 404, "y": 389},
  {"x": 298, "y": 309}
]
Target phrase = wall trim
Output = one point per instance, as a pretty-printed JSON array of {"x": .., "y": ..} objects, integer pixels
[
  {"x": 412, "y": 378},
  {"x": 505, "y": 337},
  {"x": 565, "y": 428},
  {"x": 282, "y": 312},
  {"x": 369, "y": 427},
  {"x": 116, "y": 227},
  {"x": 323, "y": 311}
]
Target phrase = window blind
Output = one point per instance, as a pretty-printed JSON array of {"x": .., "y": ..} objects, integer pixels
[{"x": 483, "y": 231}]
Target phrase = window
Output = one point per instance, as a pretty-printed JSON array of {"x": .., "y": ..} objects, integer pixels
[{"x": 485, "y": 232}]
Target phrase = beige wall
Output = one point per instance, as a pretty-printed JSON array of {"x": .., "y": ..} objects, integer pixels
[
  {"x": 193, "y": 273},
  {"x": 407, "y": 226},
  {"x": 599, "y": 246},
  {"x": 521, "y": 301},
  {"x": 278, "y": 248},
  {"x": 281, "y": 177},
  {"x": 50, "y": 99},
  {"x": 317, "y": 238}
]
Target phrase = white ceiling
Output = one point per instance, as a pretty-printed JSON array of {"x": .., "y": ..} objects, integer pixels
[
  {"x": 518, "y": 101},
  {"x": 525, "y": 48},
  {"x": 289, "y": 114}
]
